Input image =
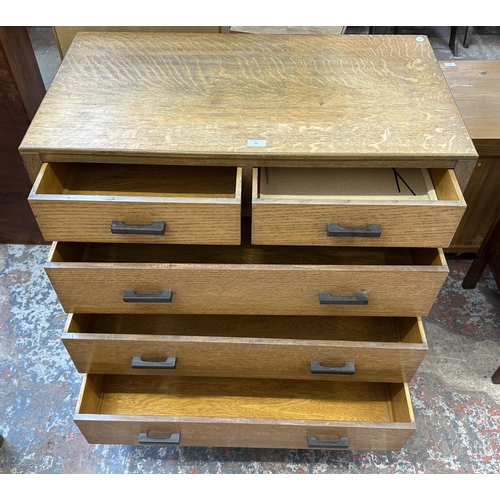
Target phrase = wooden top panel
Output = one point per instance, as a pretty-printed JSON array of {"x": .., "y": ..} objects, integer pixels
[
  {"x": 309, "y": 97},
  {"x": 475, "y": 85}
]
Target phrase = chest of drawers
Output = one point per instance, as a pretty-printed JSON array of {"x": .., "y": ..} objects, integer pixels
[{"x": 247, "y": 230}]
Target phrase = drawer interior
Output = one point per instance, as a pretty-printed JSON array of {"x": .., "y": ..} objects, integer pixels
[
  {"x": 244, "y": 398},
  {"x": 244, "y": 254},
  {"x": 80, "y": 179},
  {"x": 341, "y": 328},
  {"x": 403, "y": 185}
]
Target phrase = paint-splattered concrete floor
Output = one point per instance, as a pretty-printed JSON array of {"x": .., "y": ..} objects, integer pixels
[{"x": 457, "y": 407}]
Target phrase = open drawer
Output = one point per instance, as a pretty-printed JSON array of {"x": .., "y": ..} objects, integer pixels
[
  {"x": 245, "y": 279},
  {"x": 372, "y": 349},
  {"x": 404, "y": 207},
  {"x": 230, "y": 412},
  {"x": 138, "y": 203}
]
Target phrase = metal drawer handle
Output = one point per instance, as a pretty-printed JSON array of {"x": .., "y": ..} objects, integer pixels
[
  {"x": 360, "y": 299},
  {"x": 173, "y": 439},
  {"x": 370, "y": 231},
  {"x": 347, "y": 369},
  {"x": 163, "y": 296},
  {"x": 169, "y": 363},
  {"x": 120, "y": 227},
  {"x": 312, "y": 442}
]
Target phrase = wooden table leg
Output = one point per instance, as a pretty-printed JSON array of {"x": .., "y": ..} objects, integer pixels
[
  {"x": 495, "y": 378},
  {"x": 488, "y": 253},
  {"x": 477, "y": 268}
]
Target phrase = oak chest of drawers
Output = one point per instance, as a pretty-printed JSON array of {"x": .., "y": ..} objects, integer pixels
[{"x": 247, "y": 230}]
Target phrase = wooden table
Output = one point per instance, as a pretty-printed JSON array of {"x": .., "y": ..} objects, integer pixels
[
  {"x": 220, "y": 294},
  {"x": 475, "y": 86},
  {"x": 488, "y": 254}
]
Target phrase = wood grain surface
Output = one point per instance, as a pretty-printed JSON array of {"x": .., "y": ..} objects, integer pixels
[
  {"x": 404, "y": 222},
  {"x": 122, "y": 429},
  {"x": 203, "y": 96},
  {"x": 245, "y": 280},
  {"x": 382, "y": 349},
  {"x": 72, "y": 202},
  {"x": 243, "y": 398},
  {"x": 244, "y": 412},
  {"x": 475, "y": 87}
]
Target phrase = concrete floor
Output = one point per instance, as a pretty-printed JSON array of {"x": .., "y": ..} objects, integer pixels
[{"x": 457, "y": 408}]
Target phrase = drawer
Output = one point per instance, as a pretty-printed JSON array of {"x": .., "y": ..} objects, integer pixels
[
  {"x": 355, "y": 207},
  {"x": 372, "y": 349},
  {"x": 188, "y": 279},
  {"x": 138, "y": 203},
  {"x": 229, "y": 412}
]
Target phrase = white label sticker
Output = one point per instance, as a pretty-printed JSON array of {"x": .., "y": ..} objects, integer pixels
[
  {"x": 449, "y": 64},
  {"x": 256, "y": 143}
]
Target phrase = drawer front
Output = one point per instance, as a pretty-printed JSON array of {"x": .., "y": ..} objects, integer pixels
[
  {"x": 244, "y": 413},
  {"x": 246, "y": 289},
  {"x": 216, "y": 433},
  {"x": 131, "y": 217},
  {"x": 355, "y": 222},
  {"x": 311, "y": 351}
]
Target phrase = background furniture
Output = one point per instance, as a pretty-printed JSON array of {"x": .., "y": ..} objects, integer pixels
[
  {"x": 488, "y": 254},
  {"x": 452, "y": 43},
  {"x": 21, "y": 91},
  {"x": 289, "y": 30},
  {"x": 293, "y": 322},
  {"x": 475, "y": 86},
  {"x": 64, "y": 34}
]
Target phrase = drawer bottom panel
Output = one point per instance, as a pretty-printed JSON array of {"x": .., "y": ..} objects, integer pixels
[{"x": 191, "y": 411}]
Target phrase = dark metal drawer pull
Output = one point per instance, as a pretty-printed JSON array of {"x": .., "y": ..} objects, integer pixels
[
  {"x": 370, "y": 231},
  {"x": 173, "y": 439},
  {"x": 131, "y": 296},
  {"x": 312, "y": 442},
  {"x": 360, "y": 299},
  {"x": 119, "y": 227},
  {"x": 347, "y": 369},
  {"x": 169, "y": 363}
]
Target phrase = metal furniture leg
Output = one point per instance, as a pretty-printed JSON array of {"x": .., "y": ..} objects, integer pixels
[
  {"x": 468, "y": 32},
  {"x": 453, "y": 43}
]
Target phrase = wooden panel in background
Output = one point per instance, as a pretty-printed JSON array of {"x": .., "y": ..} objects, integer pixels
[
  {"x": 64, "y": 34},
  {"x": 21, "y": 91}
]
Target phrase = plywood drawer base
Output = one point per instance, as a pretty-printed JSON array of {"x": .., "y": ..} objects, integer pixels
[{"x": 191, "y": 411}]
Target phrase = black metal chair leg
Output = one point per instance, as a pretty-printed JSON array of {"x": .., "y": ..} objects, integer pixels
[
  {"x": 453, "y": 43},
  {"x": 468, "y": 32}
]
